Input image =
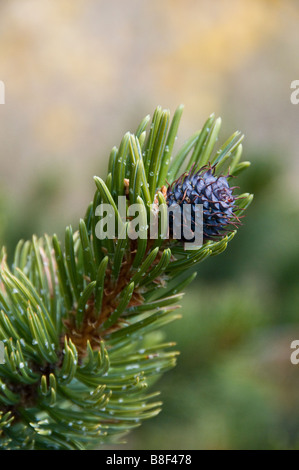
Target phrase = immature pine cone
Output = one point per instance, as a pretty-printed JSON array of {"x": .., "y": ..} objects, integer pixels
[{"x": 213, "y": 192}]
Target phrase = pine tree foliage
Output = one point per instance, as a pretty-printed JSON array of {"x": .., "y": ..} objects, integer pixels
[{"x": 81, "y": 318}]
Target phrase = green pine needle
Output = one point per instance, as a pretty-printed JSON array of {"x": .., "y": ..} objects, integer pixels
[{"x": 79, "y": 322}]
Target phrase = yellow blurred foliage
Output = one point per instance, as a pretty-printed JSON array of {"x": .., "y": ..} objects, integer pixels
[
  {"x": 78, "y": 74},
  {"x": 209, "y": 41}
]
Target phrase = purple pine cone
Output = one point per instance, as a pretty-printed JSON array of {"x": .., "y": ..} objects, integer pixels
[{"x": 216, "y": 197}]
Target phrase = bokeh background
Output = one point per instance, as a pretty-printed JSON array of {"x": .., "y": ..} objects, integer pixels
[{"x": 78, "y": 75}]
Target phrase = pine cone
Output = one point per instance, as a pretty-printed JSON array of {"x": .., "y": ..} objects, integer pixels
[{"x": 213, "y": 193}]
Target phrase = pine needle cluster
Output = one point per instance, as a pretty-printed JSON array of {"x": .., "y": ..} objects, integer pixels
[{"x": 80, "y": 320}]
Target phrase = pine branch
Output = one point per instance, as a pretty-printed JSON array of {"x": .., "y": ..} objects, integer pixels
[{"x": 80, "y": 322}]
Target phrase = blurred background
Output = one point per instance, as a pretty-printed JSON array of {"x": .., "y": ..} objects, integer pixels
[{"x": 78, "y": 75}]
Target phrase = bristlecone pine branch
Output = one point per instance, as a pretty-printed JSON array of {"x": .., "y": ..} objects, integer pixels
[{"x": 81, "y": 322}]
